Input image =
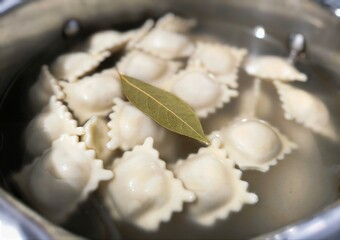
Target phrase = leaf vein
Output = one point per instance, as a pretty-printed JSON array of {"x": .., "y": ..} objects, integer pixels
[{"x": 154, "y": 99}]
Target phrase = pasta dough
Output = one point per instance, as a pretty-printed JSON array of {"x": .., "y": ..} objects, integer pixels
[
  {"x": 215, "y": 181},
  {"x": 62, "y": 177},
  {"x": 254, "y": 144},
  {"x": 201, "y": 90},
  {"x": 273, "y": 68},
  {"x": 72, "y": 66},
  {"x": 93, "y": 95},
  {"x": 222, "y": 61},
  {"x": 54, "y": 120},
  {"x": 143, "y": 191}
]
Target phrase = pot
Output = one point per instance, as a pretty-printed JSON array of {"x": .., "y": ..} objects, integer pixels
[{"x": 35, "y": 32}]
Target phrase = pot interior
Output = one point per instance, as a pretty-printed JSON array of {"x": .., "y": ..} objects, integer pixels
[{"x": 299, "y": 186}]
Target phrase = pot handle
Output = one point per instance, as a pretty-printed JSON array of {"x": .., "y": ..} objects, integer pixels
[{"x": 333, "y": 6}]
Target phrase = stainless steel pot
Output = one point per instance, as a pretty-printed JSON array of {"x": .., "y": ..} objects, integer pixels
[{"x": 34, "y": 31}]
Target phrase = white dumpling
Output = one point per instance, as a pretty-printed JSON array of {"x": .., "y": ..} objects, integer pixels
[
  {"x": 136, "y": 35},
  {"x": 173, "y": 23},
  {"x": 148, "y": 68},
  {"x": 56, "y": 182},
  {"x": 306, "y": 109},
  {"x": 201, "y": 90},
  {"x": 72, "y": 66},
  {"x": 273, "y": 68},
  {"x": 108, "y": 40},
  {"x": 130, "y": 127},
  {"x": 96, "y": 137},
  {"x": 144, "y": 192},
  {"x": 93, "y": 95},
  {"x": 44, "y": 88},
  {"x": 166, "y": 44},
  {"x": 221, "y": 60},
  {"x": 216, "y": 183},
  {"x": 54, "y": 120},
  {"x": 254, "y": 144}
]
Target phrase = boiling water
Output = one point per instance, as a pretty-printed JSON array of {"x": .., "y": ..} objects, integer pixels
[{"x": 303, "y": 183}]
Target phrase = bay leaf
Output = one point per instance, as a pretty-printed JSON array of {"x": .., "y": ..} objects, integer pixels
[{"x": 164, "y": 108}]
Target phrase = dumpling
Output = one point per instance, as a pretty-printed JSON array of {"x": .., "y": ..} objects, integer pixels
[
  {"x": 273, "y": 68},
  {"x": 222, "y": 61},
  {"x": 166, "y": 44},
  {"x": 137, "y": 34},
  {"x": 144, "y": 192},
  {"x": 113, "y": 41},
  {"x": 306, "y": 109},
  {"x": 201, "y": 90},
  {"x": 72, "y": 66},
  {"x": 173, "y": 23},
  {"x": 54, "y": 120},
  {"x": 130, "y": 127},
  {"x": 56, "y": 182},
  {"x": 215, "y": 181},
  {"x": 108, "y": 40},
  {"x": 44, "y": 88},
  {"x": 254, "y": 144},
  {"x": 96, "y": 137},
  {"x": 93, "y": 95},
  {"x": 148, "y": 68}
]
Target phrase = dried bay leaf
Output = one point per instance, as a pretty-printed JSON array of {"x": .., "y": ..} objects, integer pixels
[{"x": 164, "y": 108}]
